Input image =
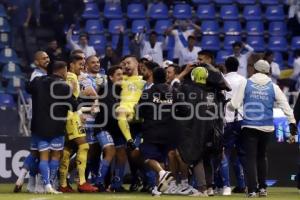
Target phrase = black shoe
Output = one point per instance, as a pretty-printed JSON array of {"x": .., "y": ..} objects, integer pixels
[
  {"x": 262, "y": 192},
  {"x": 17, "y": 188},
  {"x": 136, "y": 185},
  {"x": 239, "y": 190},
  {"x": 146, "y": 189},
  {"x": 120, "y": 190},
  {"x": 101, "y": 187},
  {"x": 251, "y": 195}
]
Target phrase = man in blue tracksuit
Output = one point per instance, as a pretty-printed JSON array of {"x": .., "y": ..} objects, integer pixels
[{"x": 257, "y": 95}]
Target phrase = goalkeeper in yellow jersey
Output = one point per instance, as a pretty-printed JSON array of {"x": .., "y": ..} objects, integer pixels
[
  {"x": 132, "y": 88},
  {"x": 76, "y": 136}
]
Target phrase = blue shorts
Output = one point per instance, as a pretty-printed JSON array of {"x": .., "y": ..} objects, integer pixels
[
  {"x": 158, "y": 152},
  {"x": 89, "y": 128},
  {"x": 104, "y": 138},
  {"x": 45, "y": 143}
]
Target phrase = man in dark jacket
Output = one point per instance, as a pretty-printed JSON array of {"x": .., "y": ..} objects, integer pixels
[
  {"x": 51, "y": 100},
  {"x": 159, "y": 137}
]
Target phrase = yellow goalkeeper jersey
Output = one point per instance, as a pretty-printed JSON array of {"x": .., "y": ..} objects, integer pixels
[
  {"x": 132, "y": 88},
  {"x": 72, "y": 80}
]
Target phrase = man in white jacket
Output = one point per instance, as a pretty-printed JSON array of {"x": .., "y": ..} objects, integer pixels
[{"x": 257, "y": 95}]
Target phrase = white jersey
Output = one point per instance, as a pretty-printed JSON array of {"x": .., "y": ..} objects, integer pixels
[
  {"x": 178, "y": 43},
  {"x": 37, "y": 73},
  {"x": 156, "y": 52},
  {"x": 188, "y": 57}
]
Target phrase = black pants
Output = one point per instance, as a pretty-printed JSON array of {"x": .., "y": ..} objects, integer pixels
[{"x": 255, "y": 144}]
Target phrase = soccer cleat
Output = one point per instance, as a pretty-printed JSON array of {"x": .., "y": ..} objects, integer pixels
[
  {"x": 17, "y": 188},
  {"x": 87, "y": 188},
  {"x": 197, "y": 193},
  {"x": 50, "y": 190},
  {"x": 239, "y": 190},
  {"x": 39, "y": 186},
  {"x": 164, "y": 181},
  {"x": 101, "y": 187},
  {"x": 251, "y": 195},
  {"x": 67, "y": 189},
  {"x": 146, "y": 189},
  {"x": 210, "y": 192},
  {"x": 262, "y": 192},
  {"x": 172, "y": 189},
  {"x": 226, "y": 191},
  {"x": 155, "y": 192},
  {"x": 136, "y": 184}
]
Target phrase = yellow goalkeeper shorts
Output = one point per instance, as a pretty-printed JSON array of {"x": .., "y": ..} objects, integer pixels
[{"x": 74, "y": 126}]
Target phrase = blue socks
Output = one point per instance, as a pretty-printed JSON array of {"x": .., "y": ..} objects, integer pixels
[
  {"x": 54, "y": 165},
  {"x": 103, "y": 170},
  {"x": 119, "y": 175},
  {"x": 31, "y": 163},
  {"x": 44, "y": 170},
  {"x": 225, "y": 171}
]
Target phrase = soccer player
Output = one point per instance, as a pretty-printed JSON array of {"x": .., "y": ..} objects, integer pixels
[
  {"x": 132, "y": 87},
  {"x": 109, "y": 135},
  {"x": 259, "y": 93},
  {"x": 41, "y": 62},
  {"x": 49, "y": 120},
  {"x": 75, "y": 135},
  {"x": 158, "y": 136}
]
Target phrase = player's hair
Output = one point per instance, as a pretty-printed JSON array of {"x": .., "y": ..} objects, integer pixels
[
  {"x": 84, "y": 35},
  {"x": 237, "y": 44},
  {"x": 58, "y": 65},
  {"x": 207, "y": 53},
  {"x": 267, "y": 54},
  {"x": 176, "y": 68},
  {"x": 150, "y": 65},
  {"x": 88, "y": 58},
  {"x": 159, "y": 75},
  {"x": 191, "y": 37},
  {"x": 231, "y": 64},
  {"x": 129, "y": 56},
  {"x": 153, "y": 33},
  {"x": 112, "y": 70},
  {"x": 76, "y": 51}
]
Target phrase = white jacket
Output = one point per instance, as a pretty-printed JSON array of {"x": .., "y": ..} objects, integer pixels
[{"x": 281, "y": 100}]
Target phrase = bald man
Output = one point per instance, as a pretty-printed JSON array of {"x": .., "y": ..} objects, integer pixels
[{"x": 40, "y": 64}]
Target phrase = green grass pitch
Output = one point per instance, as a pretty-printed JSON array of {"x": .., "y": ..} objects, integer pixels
[{"x": 6, "y": 194}]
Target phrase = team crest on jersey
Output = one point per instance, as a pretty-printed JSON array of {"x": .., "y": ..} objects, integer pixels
[{"x": 132, "y": 87}]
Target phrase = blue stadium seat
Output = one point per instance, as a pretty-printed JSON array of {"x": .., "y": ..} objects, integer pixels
[
  {"x": 139, "y": 25},
  {"x": 182, "y": 11},
  {"x": 98, "y": 42},
  {"x": 7, "y": 55},
  {"x": 229, "y": 40},
  {"x": 2, "y": 89},
  {"x": 232, "y": 28},
  {"x": 4, "y": 40},
  {"x": 210, "y": 27},
  {"x": 115, "y": 39},
  {"x": 7, "y": 100},
  {"x": 269, "y": 2},
  {"x": 295, "y": 44},
  {"x": 255, "y": 28},
  {"x": 210, "y": 42},
  {"x": 2, "y": 11},
  {"x": 277, "y": 28},
  {"x": 275, "y": 13},
  {"x": 14, "y": 84},
  {"x": 113, "y": 11},
  {"x": 201, "y": 1},
  {"x": 224, "y": 1},
  {"x": 91, "y": 11},
  {"x": 229, "y": 12},
  {"x": 114, "y": 25},
  {"x": 252, "y": 12},
  {"x": 10, "y": 70},
  {"x": 159, "y": 11},
  {"x": 277, "y": 44},
  {"x": 161, "y": 25},
  {"x": 291, "y": 59},
  {"x": 206, "y": 11},
  {"x": 94, "y": 26},
  {"x": 246, "y": 2},
  {"x": 4, "y": 25},
  {"x": 136, "y": 11},
  {"x": 278, "y": 58},
  {"x": 222, "y": 56},
  {"x": 257, "y": 42}
]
